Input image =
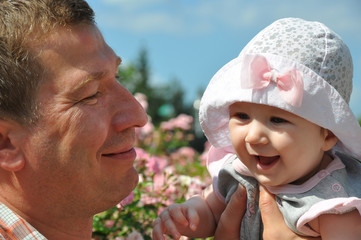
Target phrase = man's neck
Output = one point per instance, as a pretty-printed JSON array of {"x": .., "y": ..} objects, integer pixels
[{"x": 71, "y": 231}]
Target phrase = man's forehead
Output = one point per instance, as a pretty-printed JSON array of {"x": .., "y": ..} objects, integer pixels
[
  {"x": 96, "y": 76},
  {"x": 78, "y": 51}
]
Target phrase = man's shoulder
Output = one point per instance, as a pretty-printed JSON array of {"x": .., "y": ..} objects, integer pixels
[{"x": 14, "y": 227}]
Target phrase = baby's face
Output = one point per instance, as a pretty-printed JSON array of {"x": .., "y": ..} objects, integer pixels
[{"x": 278, "y": 147}]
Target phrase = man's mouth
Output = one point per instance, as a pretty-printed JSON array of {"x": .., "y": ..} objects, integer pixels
[
  {"x": 109, "y": 154},
  {"x": 119, "y": 154}
]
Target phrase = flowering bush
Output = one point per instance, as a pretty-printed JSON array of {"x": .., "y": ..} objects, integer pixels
[{"x": 169, "y": 172}]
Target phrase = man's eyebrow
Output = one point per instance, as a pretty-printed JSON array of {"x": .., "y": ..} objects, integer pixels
[
  {"x": 94, "y": 76},
  {"x": 89, "y": 78}
]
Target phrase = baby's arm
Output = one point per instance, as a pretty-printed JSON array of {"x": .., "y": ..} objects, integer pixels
[
  {"x": 197, "y": 217},
  {"x": 335, "y": 226}
]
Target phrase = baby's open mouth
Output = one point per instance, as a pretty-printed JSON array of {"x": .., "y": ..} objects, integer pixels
[{"x": 267, "y": 160}]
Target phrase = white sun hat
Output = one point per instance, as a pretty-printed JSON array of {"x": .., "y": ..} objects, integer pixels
[{"x": 299, "y": 66}]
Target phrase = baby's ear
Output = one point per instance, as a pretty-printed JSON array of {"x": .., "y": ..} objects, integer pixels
[
  {"x": 330, "y": 140},
  {"x": 11, "y": 156}
]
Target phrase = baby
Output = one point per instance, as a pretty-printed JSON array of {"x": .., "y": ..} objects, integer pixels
[{"x": 278, "y": 116}]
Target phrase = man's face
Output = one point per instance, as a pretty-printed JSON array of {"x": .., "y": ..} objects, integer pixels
[{"x": 81, "y": 151}]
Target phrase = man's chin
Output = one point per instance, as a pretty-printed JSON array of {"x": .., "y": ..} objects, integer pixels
[
  {"x": 129, "y": 184},
  {"x": 117, "y": 193}
]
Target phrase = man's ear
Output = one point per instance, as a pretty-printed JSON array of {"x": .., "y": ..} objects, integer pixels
[
  {"x": 11, "y": 156},
  {"x": 330, "y": 140}
]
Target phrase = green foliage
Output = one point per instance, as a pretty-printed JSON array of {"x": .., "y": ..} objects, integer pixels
[
  {"x": 169, "y": 172},
  {"x": 115, "y": 223},
  {"x": 135, "y": 77}
]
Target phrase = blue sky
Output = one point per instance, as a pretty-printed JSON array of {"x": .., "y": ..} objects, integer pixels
[{"x": 191, "y": 39}]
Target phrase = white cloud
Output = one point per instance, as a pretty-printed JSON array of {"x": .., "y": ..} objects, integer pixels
[
  {"x": 132, "y": 4},
  {"x": 201, "y": 17},
  {"x": 143, "y": 16},
  {"x": 341, "y": 16},
  {"x": 233, "y": 13},
  {"x": 150, "y": 22},
  {"x": 170, "y": 17}
]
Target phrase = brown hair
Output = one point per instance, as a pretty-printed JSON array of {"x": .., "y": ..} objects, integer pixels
[{"x": 24, "y": 23}]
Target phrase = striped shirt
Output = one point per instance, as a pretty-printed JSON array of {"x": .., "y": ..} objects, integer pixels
[{"x": 13, "y": 227}]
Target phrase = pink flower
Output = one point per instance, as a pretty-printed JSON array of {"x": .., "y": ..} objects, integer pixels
[
  {"x": 109, "y": 223},
  {"x": 141, "y": 154},
  {"x": 148, "y": 128},
  {"x": 195, "y": 187},
  {"x": 144, "y": 131},
  {"x": 149, "y": 200},
  {"x": 167, "y": 125},
  {"x": 152, "y": 164},
  {"x": 182, "y": 121},
  {"x": 129, "y": 199},
  {"x": 142, "y": 99},
  {"x": 157, "y": 164},
  {"x": 135, "y": 236},
  {"x": 184, "y": 155},
  {"x": 159, "y": 180},
  {"x": 168, "y": 201},
  {"x": 187, "y": 152}
]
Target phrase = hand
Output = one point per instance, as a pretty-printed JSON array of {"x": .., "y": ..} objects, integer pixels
[
  {"x": 273, "y": 222},
  {"x": 274, "y": 226},
  {"x": 176, "y": 216},
  {"x": 229, "y": 224}
]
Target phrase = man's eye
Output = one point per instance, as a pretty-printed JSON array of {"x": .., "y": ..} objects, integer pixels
[
  {"x": 92, "y": 97},
  {"x": 278, "y": 120}
]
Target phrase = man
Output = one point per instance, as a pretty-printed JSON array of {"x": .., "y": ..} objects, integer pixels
[{"x": 66, "y": 124}]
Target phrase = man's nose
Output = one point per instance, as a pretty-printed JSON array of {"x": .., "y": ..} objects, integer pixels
[{"x": 129, "y": 113}]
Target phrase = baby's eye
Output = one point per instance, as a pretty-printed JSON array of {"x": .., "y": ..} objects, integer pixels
[
  {"x": 278, "y": 120},
  {"x": 242, "y": 116}
]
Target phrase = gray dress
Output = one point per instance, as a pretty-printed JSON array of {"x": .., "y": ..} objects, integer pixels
[{"x": 339, "y": 185}]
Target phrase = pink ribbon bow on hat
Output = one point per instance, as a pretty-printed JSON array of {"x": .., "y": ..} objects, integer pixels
[{"x": 257, "y": 74}]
